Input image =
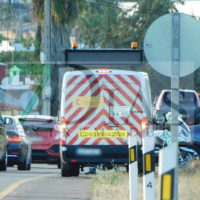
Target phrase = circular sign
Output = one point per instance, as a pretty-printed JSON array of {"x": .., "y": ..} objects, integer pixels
[{"x": 158, "y": 44}]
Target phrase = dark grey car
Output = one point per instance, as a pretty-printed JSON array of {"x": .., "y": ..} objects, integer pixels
[
  {"x": 188, "y": 105},
  {"x": 19, "y": 144},
  {"x": 3, "y": 146}
]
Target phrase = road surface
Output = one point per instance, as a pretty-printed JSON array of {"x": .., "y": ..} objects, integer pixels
[{"x": 43, "y": 182}]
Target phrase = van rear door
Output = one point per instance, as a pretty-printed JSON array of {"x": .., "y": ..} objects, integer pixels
[
  {"x": 123, "y": 105},
  {"x": 102, "y": 109}
]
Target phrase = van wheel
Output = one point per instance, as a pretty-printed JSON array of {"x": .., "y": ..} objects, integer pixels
[
  {"x": 65, "y": 170},
  {"x": 59, "y": 164},
  {"x": 74, "y": 169}
]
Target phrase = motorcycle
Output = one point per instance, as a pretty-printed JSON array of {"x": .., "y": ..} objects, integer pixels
[{"x": 163, "y": 138}]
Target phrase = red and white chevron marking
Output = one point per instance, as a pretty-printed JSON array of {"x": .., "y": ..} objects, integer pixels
[{"x": 116, "y": 90}]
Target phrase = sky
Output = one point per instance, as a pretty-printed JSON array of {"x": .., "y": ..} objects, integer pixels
[{"x": 190, "y": 8}]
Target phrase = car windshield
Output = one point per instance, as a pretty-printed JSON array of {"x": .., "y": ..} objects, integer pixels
[
  {"x": 38, "y": 124},
  {"x": 184, "y": 98}
]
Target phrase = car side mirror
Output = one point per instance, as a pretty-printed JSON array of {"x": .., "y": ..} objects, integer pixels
[
  {"x": 7, "y": 121},
  {"x": 159, "y": 118}
]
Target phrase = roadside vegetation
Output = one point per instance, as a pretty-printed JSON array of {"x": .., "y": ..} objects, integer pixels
[{"x": 112, "y": 184}]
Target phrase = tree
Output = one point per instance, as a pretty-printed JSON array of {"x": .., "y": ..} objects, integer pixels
[
  {"x": 2, "y": 38},
  {"x": 63, "y": 14},
  {"x": 107, "y": 25},
  {"x": 147, "y": 12},
  {"x": 37, "y": 43},
  {"x": 103, "y": 25},
  {"x": 110, "y": 26}
]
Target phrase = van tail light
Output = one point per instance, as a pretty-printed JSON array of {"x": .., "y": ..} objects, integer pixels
[
  {"x": 63, "y": 126},
  {"x": 62, "y": 142},
  {"x": 144, "y": 125},
  {"x": 15, "y": 139},
  {"x": 63, "y": 123}
]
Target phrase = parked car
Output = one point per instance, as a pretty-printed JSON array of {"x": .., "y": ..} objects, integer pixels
[
  {"x": 3, "y": 146},
  {"x": 19, "y": 144},
  {"x": 189, "y": 105},
  {"x": 45, "y": 135},
  {"x": 195, "y": 131}
]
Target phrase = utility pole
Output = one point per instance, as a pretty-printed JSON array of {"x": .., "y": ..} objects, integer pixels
[
  {"x": 175, "y": 90},
  {"x": 47, "y": 58}
]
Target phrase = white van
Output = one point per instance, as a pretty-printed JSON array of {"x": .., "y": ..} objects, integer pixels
[{"x": 99, "y": 109}]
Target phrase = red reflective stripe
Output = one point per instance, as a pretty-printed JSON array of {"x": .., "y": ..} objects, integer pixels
[
  {"x": 94, "y": 82},
  {"x": 87, "y": 139},
  {"x": 92, "y": 122},
  {"x": 116, "y": 98},
  {"x": 133, "y": 78},
  {"x": 71, "y": 80},
  {"x": 79, "y": 110},
  {"x": 128, "y": 123},
  {"x": 85, "y": 79},
  {"x": 129, "y": 86},
  {"x": 110, "y": 141},
  {"x": 78, "y": 122},
  {"x": 104, "y": 112},
  {"x": 87, "y": 114},
  {"x": 123, "y": 93}
]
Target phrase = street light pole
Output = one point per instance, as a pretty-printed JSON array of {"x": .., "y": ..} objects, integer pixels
[{"x": 47, "y": 58}]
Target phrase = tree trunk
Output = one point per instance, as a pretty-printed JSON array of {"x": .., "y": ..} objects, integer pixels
[{"x": 60, "y": 40}]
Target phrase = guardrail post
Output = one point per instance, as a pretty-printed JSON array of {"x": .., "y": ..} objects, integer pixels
[
  {"x": 166, "y": 172},
  {"x": 133, "y": 166},
  {"x": 148, "y": 146}
]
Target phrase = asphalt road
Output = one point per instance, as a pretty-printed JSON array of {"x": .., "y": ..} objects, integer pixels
[{"x": 43, "y": 182}]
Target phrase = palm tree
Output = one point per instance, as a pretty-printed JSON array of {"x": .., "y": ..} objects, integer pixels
[{"x": 63, "y": 14}]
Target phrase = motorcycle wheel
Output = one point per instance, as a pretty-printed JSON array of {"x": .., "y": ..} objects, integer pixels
[{"x": 184, "y": 159}]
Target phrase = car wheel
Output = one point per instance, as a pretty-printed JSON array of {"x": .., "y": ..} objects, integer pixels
[
  {"x": 29, "y": 163},
  {"x": 23, "y": 165},
  {"x": 3, "y": 164}
]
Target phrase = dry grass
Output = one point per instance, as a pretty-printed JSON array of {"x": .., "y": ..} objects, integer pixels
[
  {"x": 112, "y": 185},
  {"x": 189, "y": 182}
]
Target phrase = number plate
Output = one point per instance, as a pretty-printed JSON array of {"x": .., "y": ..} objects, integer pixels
[{"x": 119, "y": 111}]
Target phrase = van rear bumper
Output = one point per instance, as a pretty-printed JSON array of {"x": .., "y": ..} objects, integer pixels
[{"x": 97, "y": 154}]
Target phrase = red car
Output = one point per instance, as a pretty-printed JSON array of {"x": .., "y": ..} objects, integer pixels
[{"x": 44, "y": 132}]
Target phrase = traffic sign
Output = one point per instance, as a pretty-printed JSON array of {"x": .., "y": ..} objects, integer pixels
[{"x": 158, "y": 45}]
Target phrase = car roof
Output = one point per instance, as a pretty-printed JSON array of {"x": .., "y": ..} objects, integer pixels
[
  {"x": 181, "y": 90},
  {"x": 12, "y": 117},
  {"x": 42, "y": 117}
]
